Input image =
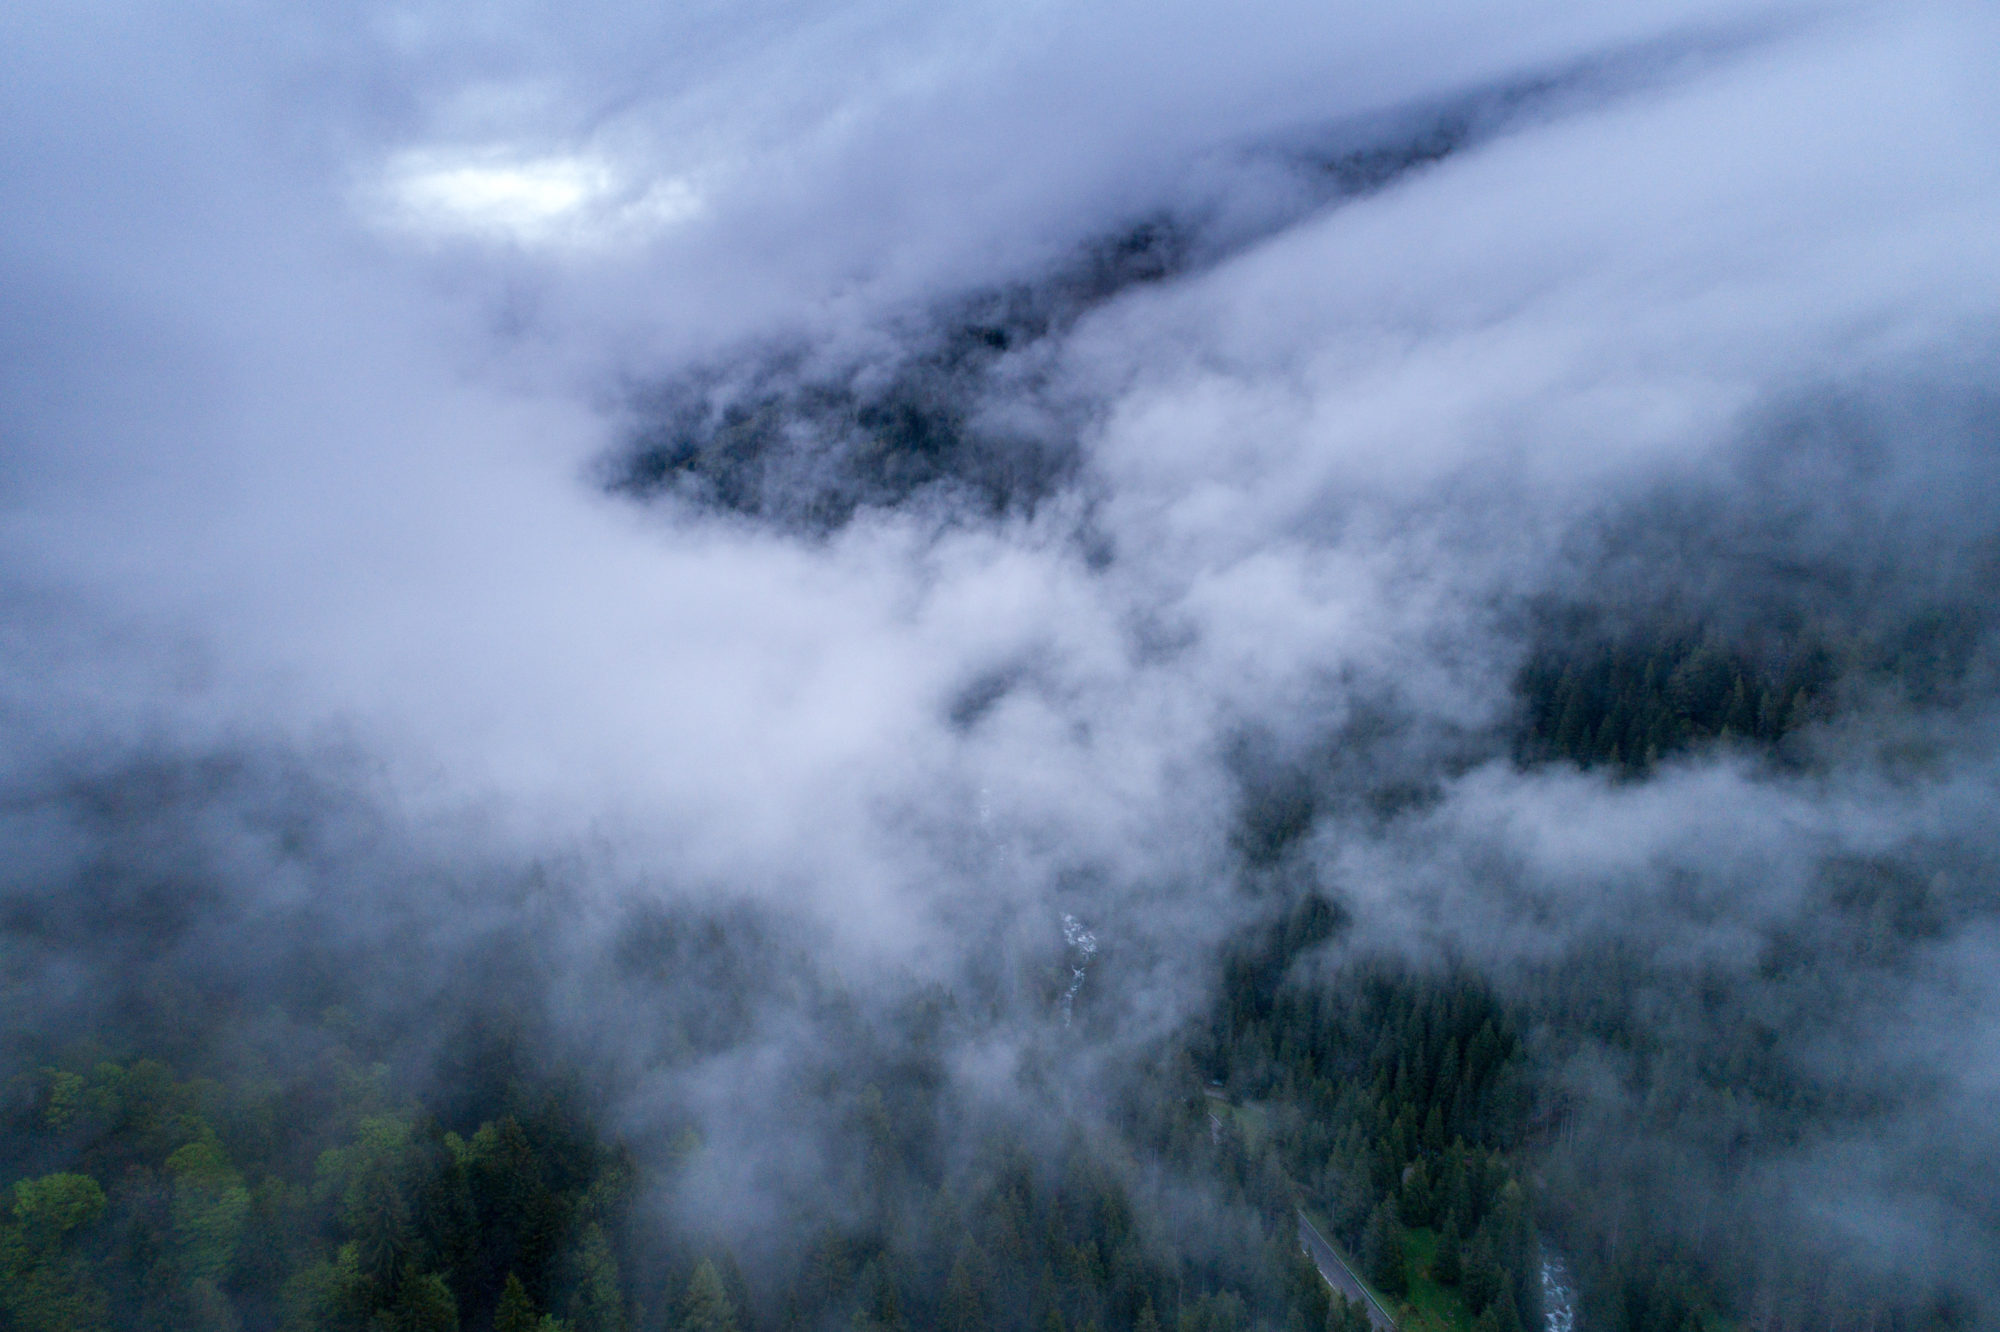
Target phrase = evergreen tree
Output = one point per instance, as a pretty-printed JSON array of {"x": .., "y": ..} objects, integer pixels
[
  {"x": 706, "y": 1307},
  {"x": 516, "y": 1312},
  {"x": 1447, "y": 1266},
  {"x": 1482, "y": 1280},
  {"x": 1418, "y": 1204},
  {"x": 964, "y": 1307},
  {"x": 1382, "y": 1255},
  {"x": 596, "y": 1305},
  {"x": 1345, "y": 1315},
  {"x": 424, "y": 1304},
  {"x": 1433, "y": 1138},
  {"x": 207, "y": 1309}
]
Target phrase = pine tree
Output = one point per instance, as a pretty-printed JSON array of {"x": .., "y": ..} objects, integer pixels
[
  {"x": 1345, "y": 1315},
  {"x": 964, "y": 1299},
  {"x": 1433, "y": 1138},
  {"x": 516, "y": 1312},
  {"x": 1741, "y": 718},
  {"x": 1482, "y": 1279},
  {"x": 596, "y": 1305},
  {"x": 1419, "y": 1201},
  {"x": 706, "y": 1307},
  {"x": 424, "y": 1304},
  {"x": 1382, "y": 1255},
  {"x": 1448, "y": 1266}
]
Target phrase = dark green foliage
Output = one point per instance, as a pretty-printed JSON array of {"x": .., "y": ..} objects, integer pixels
[
  {"x": 518, "y": 1224},
  {"x": 1448, "y": 1266},
  {"x": 397, "y": 1226},
  {"x": 1307, "y": 1296},
  {"x": 1482, "y": 1279},
  {"x": 1627, "y": 702},
  {"x": 1418, "y": 1204},
  {"x": 1380, "y": 1098},
  {"x": 1712, "y": 1099},
  {"x": 46, "y": 1279},
  {"x": 1345, "y": 1315},
  {"x": 597, "y": 1298},
  {"x": 516, "y": 1312},
  {"x": 1220, "y": 1312},
  {"x": 1382, "y": 1255},
  {"x": 1394, "y": 1100},
  {"x": 423, "y": 1303},
  {"x": 707, "y": 1306}
]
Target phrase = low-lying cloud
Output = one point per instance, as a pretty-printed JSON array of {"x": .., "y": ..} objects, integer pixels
[{"x": 335, "y": 343}]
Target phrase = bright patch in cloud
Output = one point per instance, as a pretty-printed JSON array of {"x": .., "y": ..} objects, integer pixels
[{"x": 544, "y": 200}]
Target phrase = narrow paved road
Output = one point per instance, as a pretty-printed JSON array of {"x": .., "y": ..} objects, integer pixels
[{"x": 1339, "y": 1277}]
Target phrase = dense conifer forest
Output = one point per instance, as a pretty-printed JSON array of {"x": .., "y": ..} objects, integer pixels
[{"x": 1397, "y": 1110}]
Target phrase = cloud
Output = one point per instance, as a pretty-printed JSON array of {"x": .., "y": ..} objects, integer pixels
[{"x": 1457, "y": 310}]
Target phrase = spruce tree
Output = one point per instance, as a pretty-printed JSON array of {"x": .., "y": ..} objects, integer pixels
[
  {"x": 706, "y": 1307},
  {"x": 964, "y": 1299},
  {"x": 1382, "y": 1255},
  {"x": 1483, "y": 1279},
  {"x": 1345, "y": 1315},
  {"x": 424, "y": 1304},
  {"x": 1419, "y": 1205},
  {"x": 516, "y": 1312},
  {"x": 1448, "y": 1265},
  {"x": 597, "y": 1305}
]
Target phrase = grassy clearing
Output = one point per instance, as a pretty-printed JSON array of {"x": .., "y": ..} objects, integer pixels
[
  {"x": 1430, "y": 1307},
  {"x": 1251, "y": 1121},
  {"x": 1255, "y": 1121}
]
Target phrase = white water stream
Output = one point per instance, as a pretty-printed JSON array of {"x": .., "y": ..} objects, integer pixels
[{"x": 1558, "y": 1296}]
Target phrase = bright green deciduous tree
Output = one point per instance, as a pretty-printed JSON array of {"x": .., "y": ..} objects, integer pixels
[{"x": 45, "y": 1280}]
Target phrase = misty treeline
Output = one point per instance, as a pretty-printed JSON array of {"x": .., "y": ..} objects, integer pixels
[
  {"x": 359, "y": 1116},
  {"x": 316, "y": 1194},
  {"x": 972, "y": 411},
  {"x": 1627, "y": 705},
  {"x": 1400, "y": 1109},
  {"x": 359, "y": 1119},
  {"x": 1390, "y": 1103},
  {"x": 1627, "y": 701}
]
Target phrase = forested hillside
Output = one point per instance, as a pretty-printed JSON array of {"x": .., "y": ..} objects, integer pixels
[
  {"x": 1400, "y": 1110},
  {"x": 143, "y": 1201}
]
